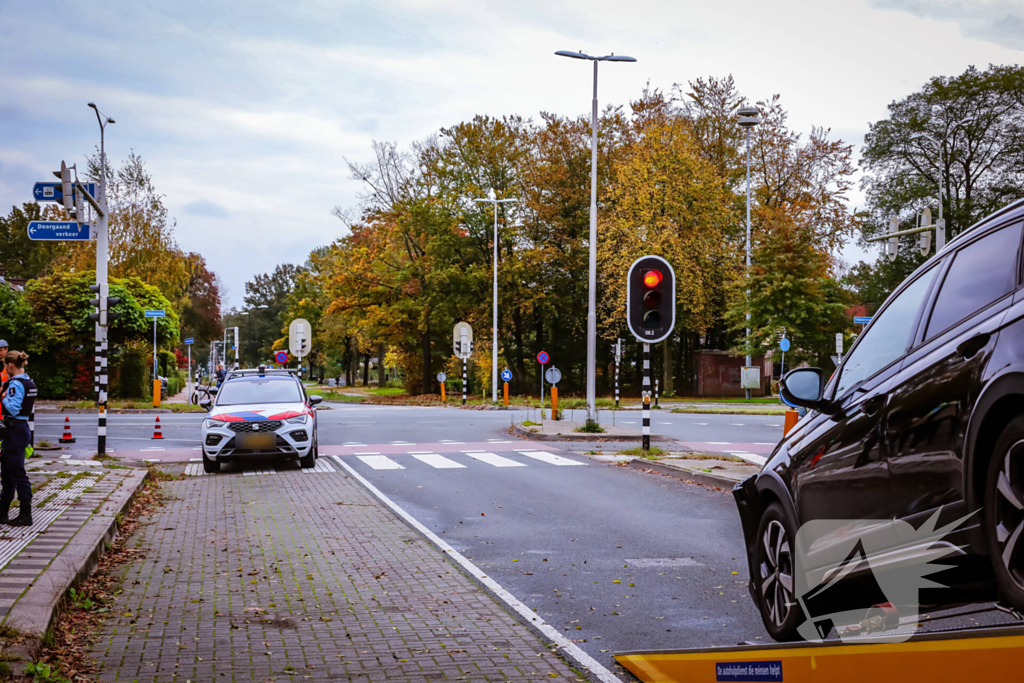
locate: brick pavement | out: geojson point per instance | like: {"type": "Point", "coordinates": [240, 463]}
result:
{"type": "Point", "coordinates": [303, 577]}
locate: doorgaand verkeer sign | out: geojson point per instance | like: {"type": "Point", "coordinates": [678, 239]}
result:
{"type": "Point", "coordinates": [58, 231]}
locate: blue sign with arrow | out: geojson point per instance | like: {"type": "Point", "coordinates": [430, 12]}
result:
{"type": "Point", "coordinates": [154, 314]}
{"type": "Point", "coordinates": [58, 231]}
{"type": "Point", "coordinates": [506, 375]}
{"type": "Point", "coordinates": [53, 192]}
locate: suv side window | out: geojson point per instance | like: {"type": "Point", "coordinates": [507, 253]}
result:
{"type": "Point", "coordinates": [887, 338]}
{"type": "Point", "coordinates": [981, 272]}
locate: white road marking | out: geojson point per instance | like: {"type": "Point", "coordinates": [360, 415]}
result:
{"type": "Point", "coordinates": [550, 458]}
{"type": "Point", "coordinates": [66, 456]}
{"type": "Point", "coordinates": [437, 461]}
{"type": "Point", "coordinates": [153, 448]}
{"type": "Point", "coordinates": [261, 470]}
{"type": "Point", "coordinates": [763, 443]}
{"type": "Point", "coordinates": [629, 422]}
{"type": "Point", "coordinates": [702, 424]}
{"type": "Point", "coordinates": [402, 443]}
{"type": "Point", "coordinates": [451, 443]}
{"type": "Point", "coordinates": [564, 644]}
{"type": "Point", "coordinates": [150, 460]}
{"type": "Point", "coordinates": [497, 441]}
{"type": "Point", "coordinates": [664, 423]}
{"type": "Point", "coordinates": [658, 562]}
{"type": "Point", "coordinates": [735, 424]}
{"type": "Point", "coordinates": [719, 443]}
{"type": "Point", "coordinates": [195, 470]}
{"type": "Point", "coordinates": [195, 459]}
{"type": "Point", "coordinates": [354, 444]}
{"type": "Point", "coordinates": [380, 462]}
{"type": "Point", "coordinates": [367, 452]}
{"type": "Point", "coordinates": [494, 459]}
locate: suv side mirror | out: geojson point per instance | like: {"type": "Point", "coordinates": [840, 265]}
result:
{"type": "Point", "coordinates": [803, 387]}
{"type": "Point", "coordinates": [315, 400]}
{"type": "Point", "coordinates": [205, 403]}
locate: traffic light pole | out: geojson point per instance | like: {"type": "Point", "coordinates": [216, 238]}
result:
{"type": "Point", "coordinates": [618, 355]}
{"type": "Point", "coordinates": [647, 398]}
{"type": "Point", "coordinates": [104, 293]}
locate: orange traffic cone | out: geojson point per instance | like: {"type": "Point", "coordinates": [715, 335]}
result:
{"type": "Point", "coordinates": [66, 437]}
{"type": "Point", "coordinates": [158, 434]}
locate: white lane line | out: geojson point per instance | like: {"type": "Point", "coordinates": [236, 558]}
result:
{"type": "Point", "coordinates": [564, 644]}
{"type": "Point", "coordinates": [735, 424]}
{"type": "Point", "coordinates": [494, 459]}
{"type": "Point", "coordinates": [437, 461]}
{"type": "Point", "coordinates": [349, 445]}
{"type": "Point", "coordinates": [763, 443]}
{"type": "Point", "coordinates": [719, 443]}
{"type": "Point", "coordinates": [452, 443]}
{"type": "Point", "coordinates": [195, 459]}
{"type": "Point", "coordinates": [402, 443]}
{"type": "Point", "coordinates": [380, 462]}
{"type": "Point", "coordinates": [497, 441]}
{"type": "Point", "coordinates": [664, 423]}
{"type": "Point", "coordinates": [550, 458]}
{"type": "Point", "coordinates": [367, 452]}
{"type": "Point", "coordinates": [702, 424]}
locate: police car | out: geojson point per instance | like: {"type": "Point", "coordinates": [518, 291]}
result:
{"type": "Point", "coordinates": [260, 414]}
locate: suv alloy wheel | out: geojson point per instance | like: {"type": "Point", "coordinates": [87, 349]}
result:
{"type": "Point", "coordinates": [774, 573]}
{"type": "Point", "coordinates": [1004, 513]}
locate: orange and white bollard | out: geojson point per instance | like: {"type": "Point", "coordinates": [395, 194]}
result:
{"type": "Point", "coordinates": [158, 434]}
{"type": "Point", "coordinates": [66, 436]}
{"type": "Point", "coordinates": [792, 417]}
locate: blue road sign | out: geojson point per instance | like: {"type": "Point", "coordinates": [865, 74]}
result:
{"type": "Point", "coordinates": [542, 358]}
{"type": "Point", "coordinates": [784, 344]}
{"type": "Point", "coordinates": [155, 314]}
{"type": "Point", "coordinates": [281, 357]}
{"type": "Point", "coordinates": [190, 340]}
{"type": "Point", "coordinates": [506, 375]}
{"type": "Point", "coordinates": [58, 231]}
{"type": "Point", "coordinates": [862, 320]}
{"type": "Point", "coordinates": [52, 192]}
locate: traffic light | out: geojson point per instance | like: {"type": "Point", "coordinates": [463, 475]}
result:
{"type": "Point", "coordinates": [651, 299]}
{"type": "Point", "coordinates": [303, 346]}
{"type": "Point", "coordinates": [68, 189]}
{"type": "Point", "coordinates": [112, 301]}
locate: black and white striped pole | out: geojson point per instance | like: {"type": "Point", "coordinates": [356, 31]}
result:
{"type": "Point", "coordinates": [462, 342]}
{"type": "Point", "coordinates": [647, 398]}
{"type": "Point", "coordinates": [618, 356]}
{"type": "Point", "coordinates": [657, 388]}
{"type": "Point", "coordinates": [463, 380]}
{"type": "Point", "coordinates": [650, 315]}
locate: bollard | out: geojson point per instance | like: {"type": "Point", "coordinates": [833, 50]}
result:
{"type": "Point", "coordinates": [156, 393]}
{"type": "Point", "coordinates": [791, 419]}
{"type": "Point", "coordinates": [506, 394]}
{"type": "Point", "coordinates": [443, 399]}
{"type": "Point", "coordinates": [554, 402]}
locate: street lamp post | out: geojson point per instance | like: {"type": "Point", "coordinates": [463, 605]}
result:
{"type": "Point", "coordinates": [592, 274]}
{"type": "Point", "coordinates": [247, 311]}
{"type": "Point", "coordinates": [940, 225]}
{"type": "Point", "coordinates": [748, 119]}
{"type": "Point", "coordinates": [104, 287]}
{"type": "Point", "coordinates": [494, 329]}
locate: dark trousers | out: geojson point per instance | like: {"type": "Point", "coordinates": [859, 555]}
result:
{"type": "Point", "coordinates": [13, 477]}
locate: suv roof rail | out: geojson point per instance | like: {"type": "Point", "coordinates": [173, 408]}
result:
{"type": "Point", "coordinates": [258, 372]}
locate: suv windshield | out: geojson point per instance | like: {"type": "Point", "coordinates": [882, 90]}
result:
{"type": "Point", "coordinates": [269, 390]}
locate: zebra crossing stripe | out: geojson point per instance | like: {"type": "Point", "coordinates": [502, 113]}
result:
{"type": "Point", "coordinates": [380, 462]}
{"type": "Point", "coordinates": [494, 459]}
{"type": "Point", "coordinates": [321, 467]}
{"type": "Point", "coordinates": [437, 461]}
{"type": "Point", "coordinates": [550, 458]}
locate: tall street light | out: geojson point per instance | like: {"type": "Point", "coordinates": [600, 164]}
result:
{"type": "Point", "coordinates": [248, 312]}
{"type": "Point", "coordinates": [940, 229]}
{"type": "Point", "coordinates": [494, 329]}
{"type": "Point", "coordinates": [592, 278]}
{"type": "Point", "coordinates": [104, 288]}
{"type": "Point", "coordinates": [747, 119]}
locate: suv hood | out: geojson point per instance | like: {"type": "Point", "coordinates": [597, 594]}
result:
{"type": "Point", "coordinates": [258, 412]}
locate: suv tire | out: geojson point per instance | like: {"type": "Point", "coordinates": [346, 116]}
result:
{"type": "Point", "coordinates": [1004, 513]}
{"type": "Point", "coordinates": [773, 562]}
{"type": "Point", "coordinates": [308, 461]}
{"type": "Point", "coordinates": [210, 466]}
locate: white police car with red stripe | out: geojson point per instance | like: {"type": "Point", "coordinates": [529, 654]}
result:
{"type": "Point", "coordinates": [259, 414]}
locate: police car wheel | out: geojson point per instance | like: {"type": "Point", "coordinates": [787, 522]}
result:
{"type": "Point", "coordinates": [308, 461]}
{"type": "Point", "coordinates": [210, 466]}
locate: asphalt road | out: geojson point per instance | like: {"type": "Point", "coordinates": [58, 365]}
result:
{"type": "Point", "coordinates": [383, 424]}
{"type": "Point", "coordinates": [614, 558]}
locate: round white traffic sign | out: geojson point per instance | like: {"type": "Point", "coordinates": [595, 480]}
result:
{"type": "Point", "coordinates": [553, 375]}
{"type": "Point", "coordinates": [441, 377]}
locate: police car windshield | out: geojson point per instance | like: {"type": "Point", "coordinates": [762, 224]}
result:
{"type": "Point", "coordinates": [265, 390]}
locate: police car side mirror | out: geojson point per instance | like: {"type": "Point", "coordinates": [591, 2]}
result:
{"type": "Point", "coordinates": [315, 400]}
{"type": "Point", "coordinates": [205, 403]}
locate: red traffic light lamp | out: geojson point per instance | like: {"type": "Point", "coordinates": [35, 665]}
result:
{"type": "Point", "coordinates": [653, 278]}
{"type": "Point", "coordinates": [651, 299]}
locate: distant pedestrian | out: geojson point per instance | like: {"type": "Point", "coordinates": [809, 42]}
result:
{"type": "Point", "coordinates": [18, 401]}
{"type": "Point", "coordinates": [3, 373]}
{"type": "Point", "coordinates": [220, 375]}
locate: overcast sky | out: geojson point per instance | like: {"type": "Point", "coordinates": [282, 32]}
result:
{"type": "Point", "coordinates": [245, 111]}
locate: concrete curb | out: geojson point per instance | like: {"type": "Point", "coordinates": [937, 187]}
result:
{"type": "Point", "coordinates": [38, 606]}
{"type": "Point", "coordinates": [114, 411]}
{"type": "Point", "coordinates": [537, 436]}
{"type": "Point", "coordinates": [683, 473]}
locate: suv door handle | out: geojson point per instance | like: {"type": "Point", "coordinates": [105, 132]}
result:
{"type": "Point", "coordinates": [871, 405]}
{"type": "Point", "coordinates": [976, 343]}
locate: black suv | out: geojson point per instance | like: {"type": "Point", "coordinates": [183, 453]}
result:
{"type": "Point", "coordinates": [924, 415]}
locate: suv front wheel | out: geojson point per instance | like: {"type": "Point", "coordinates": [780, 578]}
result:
{"type": "Point", "coordinates": [1004, 513]}
{"type": "Point", "coordinates": [210, 466]}
{"type": "Point", "coordinates": [774, 574]}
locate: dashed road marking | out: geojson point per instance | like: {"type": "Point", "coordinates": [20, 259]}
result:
{"type": "Point", "coordinates": [380, 462]}
{"type": "Point", "coordinates": [437, 461]}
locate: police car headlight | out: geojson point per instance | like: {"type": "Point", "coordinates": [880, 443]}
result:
{"type": "Point", "coordinates": [299, 420]}
{"type": "Point", "coordinates": [214, 423]}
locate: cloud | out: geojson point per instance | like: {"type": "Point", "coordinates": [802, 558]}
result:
{"type": "Point", "coordinates": [206, 208]}
{"type": "Point", "coordinates": [995, 21]}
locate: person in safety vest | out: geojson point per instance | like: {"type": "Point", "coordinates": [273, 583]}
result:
{"type": "Point", "coordinates": [18, 400]}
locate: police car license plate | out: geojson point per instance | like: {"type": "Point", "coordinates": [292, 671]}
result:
{"type": "Point", "coordinates": [256, 442]}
